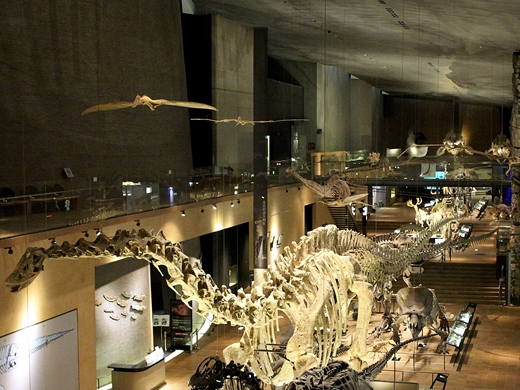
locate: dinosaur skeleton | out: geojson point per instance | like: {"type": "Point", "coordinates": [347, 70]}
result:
{"type": "Point", "coordinates": [338, 375]}
{"type": "Point", "coordinates": [418, 308]}
{"type": "Point", "coordinates": [335, 192]}
{"type": "Point", "coordinates": [146, 101]}
{"type": "Point", "coordinates": [312, 283]}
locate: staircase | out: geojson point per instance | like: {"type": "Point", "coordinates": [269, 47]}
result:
{"type": "Point", "coordinates": [343, 218]}
{"type": "Point", "coordinates": [458, 282]}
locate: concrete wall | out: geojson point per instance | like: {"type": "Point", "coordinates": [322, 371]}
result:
{"type": "Point", "coordinates": [232, 51]}
{"type": "Point", "coordinates": [305, 73]}
{"type": "Point", "coordinates": [60, 57]}
{"type": "Point", "coordinates": [333, 108]}
{"type": "Point", "coordinates": [361, 115]}
{"type": "Point", "coordinates": [479, 124]}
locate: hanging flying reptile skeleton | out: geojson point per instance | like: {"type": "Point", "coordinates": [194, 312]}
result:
{"type": "Point", "coordinates": [144, 100]}
{"type": "Point", "coordinates": [312, 283]}
{"type": "Point", "coordinates": [243, 122]}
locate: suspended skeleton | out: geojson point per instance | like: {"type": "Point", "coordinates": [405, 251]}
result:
{"type": "Point", "coordinates": [243, 122]}
{"type": "Point", "coordinates": [144, 100]}
{"type": "Point", "coordinates": [335, 192]}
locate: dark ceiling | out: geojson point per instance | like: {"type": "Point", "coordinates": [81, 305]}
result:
{"type": "Point", "coordinates": [438, 48]}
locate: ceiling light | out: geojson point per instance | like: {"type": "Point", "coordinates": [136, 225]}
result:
{"type": "Point", "coordinates": [183, 213]}
{"type": "Point", "coordinates": [53, 240]}
{"type": "Point", "coordinates": [232, 204]}
{"type": "Point", "coordinates": [137, 222]}
{"type": "Point", "coordinates": [99, 231]}
{"type": "Point", "coordinates": [9, 250]}
{"type": "Point", "coordinates": [202, 210]}
{"type": "Point", "coordinates": [214, 207]}
{"type": "Point", "coordinates": [238, 201]}
{"type": "Point", "coordinates": [85, 232]}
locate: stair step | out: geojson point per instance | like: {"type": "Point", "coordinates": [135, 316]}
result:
{"type": "Point", "coordinates": [458, 282]}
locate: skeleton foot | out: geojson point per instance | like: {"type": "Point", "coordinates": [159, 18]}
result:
{"type": "Point", "coordinates": [442, 348]}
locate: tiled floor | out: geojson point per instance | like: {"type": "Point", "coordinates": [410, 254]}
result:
{"type": "Point", "coordinates": [492, 359]}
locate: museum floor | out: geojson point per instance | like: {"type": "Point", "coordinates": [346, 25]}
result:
{"type": "Point", "coordinates": [491, 360]}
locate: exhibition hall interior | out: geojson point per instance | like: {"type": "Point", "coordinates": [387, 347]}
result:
{"type": "Point", "coordinates": [282, 195]}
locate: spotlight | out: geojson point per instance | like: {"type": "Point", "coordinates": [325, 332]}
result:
{"type": "Point", "coordinates": [298, 188]}
{"type": "Point", "coordinates": [238, 201]}
{"type": "Point", "coordinates": [9, 250]}
{"type": "Point", "coordinates": [99, 231]}
{"type": "Point", "coordinates": [137, 222]}
{"type": "Point", "coordinates": [214, 207]}
{"type": "Point", "coordinates": [53, 240]}
{"type": "Point", "coordinates": [85, 232]}
{"type": "Point", "coordinates": [183, 213]}
{"type": "Point", "coordinates": [232, 204]}
{"type": "Point", "coordinates": [202, 210]}
{"type": "Point", "coordinates": [287, 190]}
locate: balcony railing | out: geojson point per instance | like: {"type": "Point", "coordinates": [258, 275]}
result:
{"type": "Point", "coordinates": [37, 207]}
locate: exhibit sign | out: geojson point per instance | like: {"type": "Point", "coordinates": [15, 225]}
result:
{"type": "Point", "coordinates": [180, 324]}
{"type": "Point", "coordinates": [41, 356]}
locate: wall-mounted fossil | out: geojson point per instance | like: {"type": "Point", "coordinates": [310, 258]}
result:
{"type": "Point", "coordinates": [122, 302]}
{"type": "Point", "coordinates": [139, 298]}
{"type": "Point", "coordinates": [110, 298]}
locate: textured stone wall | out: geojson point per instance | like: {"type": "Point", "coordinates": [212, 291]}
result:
{"type": "Point", "coordinates": [333, 108]}
{"type": "Point", "coordinates": [61, 57]}
{"type": "Point", "coordinates": [232, 51]}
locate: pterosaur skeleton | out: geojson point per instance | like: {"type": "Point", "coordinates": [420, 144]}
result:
{"type": "Point", "coordinates": [146, 101]}
{"type": "Point", "coordinates": [243, 122]}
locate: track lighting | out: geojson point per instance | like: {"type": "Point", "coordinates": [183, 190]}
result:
{"type": "Point", "coordinates": [85, 232]}
{"type": "Point", "coordinates": [53, 240]}
{"type": "Point", "coordinates": [183, 213]}
{"type": "Point", "coordinates": [9, 250]}
{"type": "Point", "coordinates": [99, 231]}
{"type": "Point", "coordinates": [232, 204]}
{"type": "Point", "coordinates": [214, 207]}
{"type": "Point", "coordinates": [137, 222]}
